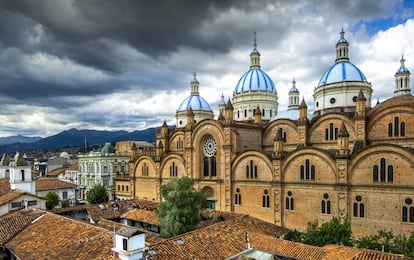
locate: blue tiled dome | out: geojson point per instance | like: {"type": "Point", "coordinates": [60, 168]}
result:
{"type": "Point", "coordinates": [293, 90]}
{"type": "Point", "coordinates": [402, 70]}
{"type": "Point", "coordinates": [196, 102]}
{"type": "Point", "coordinates": [342, 71]}
{"type": "Point", "coordinates": [255, 80]}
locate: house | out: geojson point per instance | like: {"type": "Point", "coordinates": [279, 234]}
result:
{"type": "Point", "coordinates": [16, 199]}
{"type": "Point", "coordinates": [65, 173]}
{"type": "Point", "coordinates": [65, 190]}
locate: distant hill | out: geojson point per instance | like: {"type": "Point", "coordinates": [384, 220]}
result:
{"type": "Point", "coordinates": [18, 139]}
{"type": "Point", "coordinates": [74, 137]}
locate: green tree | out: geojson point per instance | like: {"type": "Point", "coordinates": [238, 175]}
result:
{"type": "Point", "coordinates": [385, 240]}
{"type": "Point", "coordinates": [97, 194]}
{"type": "Point", "coordinates": [52, 200]}
{"type": "Point", "coordinates": [332, 232]}
{"type": "Point", "coordinates": [180, 210]}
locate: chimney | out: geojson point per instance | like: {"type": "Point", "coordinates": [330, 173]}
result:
{"type": "Point", "coordinates": [129, 243]}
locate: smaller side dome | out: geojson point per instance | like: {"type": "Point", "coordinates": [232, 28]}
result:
{"type": "Point", "coordinates": [194, 101]}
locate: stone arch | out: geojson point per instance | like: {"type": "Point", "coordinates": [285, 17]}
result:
{"type": "Point", "coordinates": [176, 140]}
{"type": "Point", "coordinates": [292, 162]}
{"type": "Point", "coordinates": [263, 163]}
{"type": "Point", "coordinates": [377, 125]}
{"type": "Point", "coordinates": [272, 128]}
{"type": "Point", "coordinates": [360, 166]}
{"type": "Point", "coordinates": [152, 169]}
{"type": "Point", "coordinates": [207, 128]}
{"type": "Point", "coordinates": [209, 192]}
{"type": "Point", "coordinates": [317, 129]}
{"type": "Point", "coordinates": [179, 163]}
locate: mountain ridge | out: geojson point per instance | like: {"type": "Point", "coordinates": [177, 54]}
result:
{"type": "Point", "coordinates": [77, 138]}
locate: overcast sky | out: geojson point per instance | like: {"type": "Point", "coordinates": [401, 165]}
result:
{"type": "Point", "coordinates": [127, 65]}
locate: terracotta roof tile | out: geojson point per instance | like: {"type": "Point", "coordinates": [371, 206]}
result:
{"type": "Point", "coordinates": [12, 224]}
{"type": "Point", "coordinates": [146, 204]}
{"type": "Point", "coordinates": [73, 167]}
{"type": "Point", "coordinates": [142, 215]}
{"type": "Point", "coordinates": [150, 237]}
{"type": "Point", "coordinates": [95, 211]}
{"type": "Point", "coordinates": [57, 237]}
{"type": "Point", "coordinates": [285, 247]}
{"type": "Point", "coordinates": [10, 195]}
{"type": "Point", "coordinates": [217, 241]}
{"type": "Point", "coordinates": [56, 172]}
{"type": "Point", "coordinates": [4, 185]}
{"type": "Point", "coordinates": [43, 184]}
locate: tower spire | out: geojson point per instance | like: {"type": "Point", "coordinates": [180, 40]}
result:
{"type": "Point", "coordinates": [402, 80]}
{"type": "Point", "coordinates": [194, 86]}
{"type": "Point", "coordinates": [342, 51]}
{"type": "Point", "coordinates": [255, 55]}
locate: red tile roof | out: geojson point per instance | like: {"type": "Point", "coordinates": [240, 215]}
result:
{"type": "Point", "coordinates": [43, 184]}
{"type": "Point", "coordinates": [10, 195]}
{"type": "Point", "coordinates": [56, 172]}
{"type": "Point", "coordinates": [57, 237]}
{"type": "Point", "coordinates": [4, 185]}
{"type": "Point", "coordinates": [12, 224]}
{"type": "Point", "coordinates": [218, 241]}
{"type": "Point", "coordinates": [142, 215]}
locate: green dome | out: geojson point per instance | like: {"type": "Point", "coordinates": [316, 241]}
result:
{"type": "Point", "coordinates": [107, 149]}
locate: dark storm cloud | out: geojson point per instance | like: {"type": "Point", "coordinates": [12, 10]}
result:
{"type": "Point", "coordinates": [155, 28]}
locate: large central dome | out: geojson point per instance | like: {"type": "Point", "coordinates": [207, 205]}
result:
{"type": "Point", "coordinates": [339, 86]}
{"type": "Point", "coordinates": [342, 71]}
{"type": "Point", "coordinates": [255, 80]}
{"type": "Point", "coordinates": [254, 90]}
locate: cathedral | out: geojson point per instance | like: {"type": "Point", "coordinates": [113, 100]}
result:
{"type": "Point", "coordinates": [291, 167]}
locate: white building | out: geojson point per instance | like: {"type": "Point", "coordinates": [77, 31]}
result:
{"type": "Point", "coordinates": [100, 168]}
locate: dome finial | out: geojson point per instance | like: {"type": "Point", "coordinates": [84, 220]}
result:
{"type": "Point", "coordinates": [254, 42]}
{"type": "Point", "coordinates": [402, 61]}
{"type": "Point", "coordinates": [294, 82]}
{"type": "Point", "coordinates": [342, 33]}
{"type": "Point", "coordinates": [254, 55]}
{"type": "Point", "coordinates": [194, 85]}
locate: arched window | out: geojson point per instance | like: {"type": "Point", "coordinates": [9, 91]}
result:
{"type": "Point", "coordinates": [289, 201]}
{"type": "Point", "coordinates": [213, 166]}
{"type": "Point", "coordinates": [396, 128]}
{"type": "Point", "coordinates": [331, 133]}
{"type": "Point", "coordinates": [251, 170]}
{"type": "Point", "coordinates": [402, 131]}
{"type": "Point", "coordinates": [173, 170]}
{"type": "Point", "coordinates": [266, 199]}
{"type": "Point", "coordinates": [237, 197]}
{"type": "Point", "coordinates": [408, 211]}
{"type": "Point", "coordinates": [144, 169]}
{"type": "Point", "coordinates": [325, 204]}
{"type": "Point", "coordinates": [209, 159]}
{"type": "Point", "coordinates": [359, 207]}
{"type": "Point", "coordinates": [307, 171]}
{"type": "Point", "coordinates": [383, 173]}
{"type": "Point", "coordinates": [206, 168]}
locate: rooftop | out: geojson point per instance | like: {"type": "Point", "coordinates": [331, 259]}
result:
{"type": "Point", "coordinates": [43, 184]}
{"type": "Point", "coordinates": [56, 237]}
